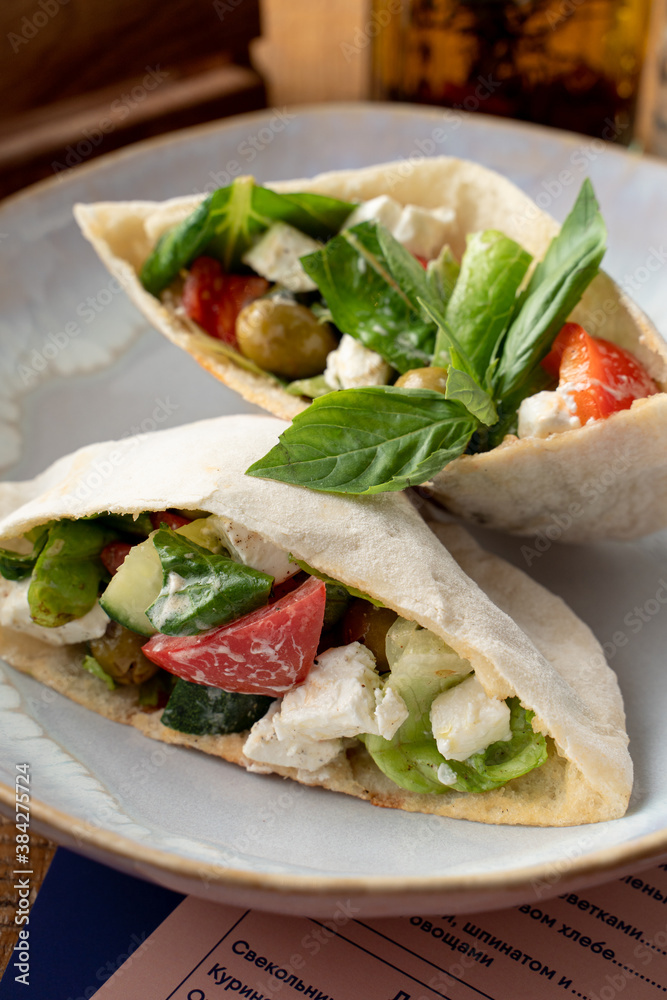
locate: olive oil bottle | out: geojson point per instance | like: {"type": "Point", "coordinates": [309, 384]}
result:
{"type": "Point", "coordinates": [572, 64]}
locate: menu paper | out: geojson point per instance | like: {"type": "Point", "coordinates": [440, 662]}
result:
{"type": "Point", "coordinates": [596, 944]}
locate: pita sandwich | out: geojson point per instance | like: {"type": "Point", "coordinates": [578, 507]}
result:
{"type": "Point", "coordinates": [523, 643]}
{"type": "Point", "coordinates": [607, 479]}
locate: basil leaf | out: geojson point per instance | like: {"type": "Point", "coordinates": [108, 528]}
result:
{"type": "Point", "coordinates": [442, 275]}
{"type": "Point", "coordinates": [369, 441]}
{"type": "Point", "coordinates": [367, 301]}
{"type": "Point", "coordinates": [507, 759]}
{"type": "Point", "coordinates": [93, 667]}
{"type": "Point", "coordinates": [66, 578]}
{"type": "Point", "coordinates": [177, 248]}
{"type": "Point", "coordinates": [483, 300]}
{"type": "Point", "coordinates": [227, 222]}
{"type": "Point", "coordinates": [201, 590]}
{"type": "Point", "coordinates": [557, 284]}
{"type": "Point", "coordinates": [334, 584]}
{"type": "Point", "coordinates": [462, 387]}
{"type": "Point", "coordinates": [19, 565]}
{"type": "Point", "coordinates": [127, 524]}
{"type": "Point", "coordinates": [404, 267]}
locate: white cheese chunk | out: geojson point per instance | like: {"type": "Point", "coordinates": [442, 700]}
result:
{"type": "Point", "coordinates": [276, 257]}
{"type": "Point", "coordinates": [547, 413]}
{"type": "Point", "coordinates": [465, 720]}
{"type": "Point", "coordinates": [251, 549]}
{"type": "Point", "coordinates": [265, 747]}
{"type": "Point", "coordinates": [342, 696]}
{"type": "Point", "coordinates": [422, 231]}
{"type": "Point", "coordinates": [15, 614]}
{"type": "Point", "coordinates": [352, 365]}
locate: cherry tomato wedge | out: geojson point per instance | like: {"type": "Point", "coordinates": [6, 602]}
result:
{"type": "Point", "coordinates": [113, 556]}
{"type": "Point", "coordinates": [173, 521]}
{"type": "Point", "coordinates": [267, 652]}
{"type": "Point", "coordinates": [601, 377]}
{"type": "Point", "coordinates": [214, 299]}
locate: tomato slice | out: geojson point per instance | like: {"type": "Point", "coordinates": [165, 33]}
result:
{"type": "Point", "coordinates": [267, 652]}
{"type": "Point", "coordinates": [214, 299]}
{"type": "Point", "coordinates": [113, 556]}
{"type": "Point", "coordinates": [173, 521]}
{"type": "Point", "coordinates": [601, 377]}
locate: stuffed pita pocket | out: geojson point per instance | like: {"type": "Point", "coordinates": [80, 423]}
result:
{"type": "Point", "coordinates": [543, 741]}
{"type": "Point", "coordinates": [462, 341]}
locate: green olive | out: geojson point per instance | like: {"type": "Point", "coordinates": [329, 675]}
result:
{"type": "Point", "coordinates": [424, 378]}
{"type": "Point", "coordinates": [118, 652]}
{"type": "Point", "coordinates": [284, 338]}
{"type": "Point", "coordinates": [365, 623]}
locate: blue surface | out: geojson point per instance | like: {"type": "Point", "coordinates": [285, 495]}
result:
{"type": "Point", "coordinates": [85, 922]}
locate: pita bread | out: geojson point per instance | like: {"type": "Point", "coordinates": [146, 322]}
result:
{"type": "Point", "coordinates": [606, 480]}
{"type": "Point", "coordinates": [520, 639]}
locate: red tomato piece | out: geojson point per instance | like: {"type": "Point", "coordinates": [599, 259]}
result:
{"type": "Point", "coordinates": [267, 652]}
{"type": "Point", "coordinates": [113, 556]}
{"type": "Point", "coordinates": [601, 377]}
{"type": "Point", "coordinates": [214, 299]}
{"type": "Point", "coordinates": [173, 521]}
{"type": "Point", "coordinates": [422, 260]}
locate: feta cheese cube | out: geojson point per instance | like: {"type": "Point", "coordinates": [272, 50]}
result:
{"type": "Point", "coordinates": [381, 209]}
{"type": "Point", "coordinates": [264, 746]}
{"type": "Point", "coordinates": [276, 257]}
{"type": "Point", "coordinates": [422, 231]}
{"type": "Point", "coordinates": [352, 365]}
{"type": "Point", "coordinates": [547, 413]}
{"type": "Point", "coordinates": [251, 549]}
{"type": "Point", "coordinates": [15, 614]}
{"type": "Point", "coordinates": [465, 720]}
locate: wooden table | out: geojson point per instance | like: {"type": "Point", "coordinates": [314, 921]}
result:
{"type": "Point", "coordinates": [41, 853]}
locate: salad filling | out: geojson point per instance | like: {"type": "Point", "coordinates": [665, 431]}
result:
{"type": "Point", "coordinates": [220, 629]}
{"type": "Point", "coordinates": [410, 356]}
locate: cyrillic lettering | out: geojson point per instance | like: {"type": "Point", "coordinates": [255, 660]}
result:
{"type": "Point", "coordinates": [321, 996]}
{"type": "Point", "coordinates": [260, 962]}
{"type": "Point", "coordinates": [549, 973]}
{"type": "Point", "coordinates": [293, 981]}
{"type": "Point", "coordinates": [572, 899]}
{"type": "Point", "coordinates": [487, 960]}
{"type": "Point", "coordinates": [240, 947]}
{"type": "Point", "coordinates": [597, 947]}
{"type": "Point", "coordinates": [525, 908]}
{"type": "Point", "coordinates": [475, 955]}
{"type": "Point", "coordinates": [415, 921]}
{"type": "Point", "coordinates": [612, 920]}
{"type": "Point", "coordinates": [270, 966]}
{"type": "Point", "coordinates": [451, 941]}
{"type": "Point", "coordinates": [636, 932]}
{"type": "Point", "coordinates": [235, 985]}
{"type": "Point", "coordinates": [218, 970]}
{"type": "Point", "coordinates": [463, 947]}
{"type": "Point", "coordinates": [246, 991]}
{"type": "Point", "coordinates": [585, 942]}
{"type": "Point", "coordinates": [583, 904]}
{"type": "Point", "coordinates": [609, 954]}
{"type": "Point", "coordinates": [426, 926]}
{"type": "Point", "coordinates": [250, 956]}
{"type": "Point", "coordinates": [549, 921]}
{"type": "Point", "coordinates": [565, 983]}
{"type": "Point", "coordinates": [278, 972]}
{"type": "Point", "coordinates": [310, 992]}
{"type": "Point", "coordinates": [401, 996]}
{"type": "Point", "coordinates": [437, 932]}
{"type": "Point", "coordinates": [516, 955]}
{"type": "Point", "coordinates": [471, 929]}
{"type": "Point", "coordinates": [484, 936]}
{"type": "Point", "coordinates": [535, 966]}
{"type": "Point", "coordinates": [257, 996]}
{"type": "Point", "coordinates": [648, 889]}
{"type": "Point", "coordinates": [505, 948]}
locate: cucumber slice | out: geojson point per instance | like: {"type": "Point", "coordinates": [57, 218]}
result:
{"type": "Point", "coordinates": [139, 580]}
{"type": "Point", "coordinates": [134, 588]}
{"type": "Point", "coordinates": [202, 710]}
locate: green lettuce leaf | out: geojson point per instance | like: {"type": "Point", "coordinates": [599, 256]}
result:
{"type": "Point", "coordinates": [226, 224]}
{"type": "Point", "coordinates": [368, 301]}
{"type": "Point", "coordinates": [334, 585]}
{"type": "Point", "coordinates": [66, 578]}
{"type": "Point", "coordinates": [442, 274]}
{"type": "Point", "coordinates": [369, 441]}
{"type": "Point", "coordinates": [201, 590]}
{"type": "Point", "coordinates": [15, 565]}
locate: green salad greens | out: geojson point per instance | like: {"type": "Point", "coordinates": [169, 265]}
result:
{"type": "Point", "coordinates": [481, 325]}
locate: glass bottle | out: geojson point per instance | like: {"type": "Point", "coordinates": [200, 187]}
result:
{"type": "Point", "coordinates": [572, 64]}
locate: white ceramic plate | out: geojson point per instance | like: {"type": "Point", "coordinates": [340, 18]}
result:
{"type": "Point", "coordinates": [79, 365]}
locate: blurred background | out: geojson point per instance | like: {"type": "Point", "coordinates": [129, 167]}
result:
{"type": "Point", "coordinates": [80, 78]}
